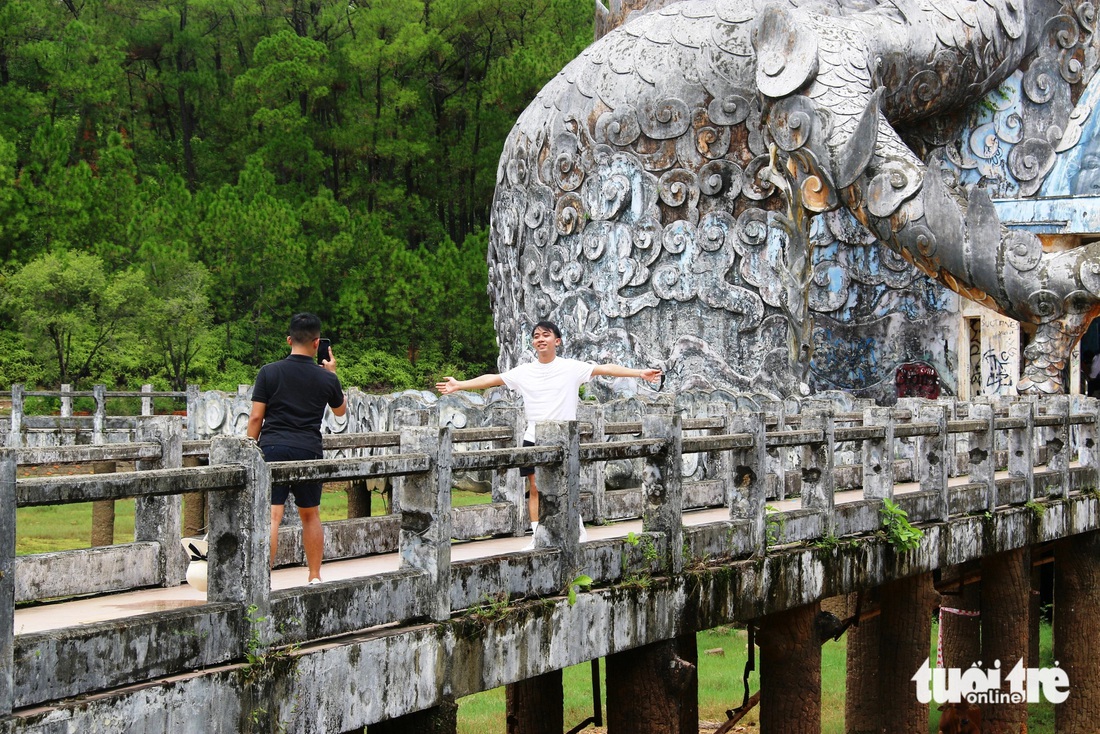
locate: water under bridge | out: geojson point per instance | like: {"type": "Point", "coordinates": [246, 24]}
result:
{"type": "Point", "coordinates": [782, 509]}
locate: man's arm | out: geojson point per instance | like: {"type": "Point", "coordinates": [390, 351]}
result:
{"type": "Point", "coordinates": [617, 370]}
{"type": "Point", "coordinates": [450, 384]}
{"type": "Point", "coordinates": [256, 420]}
{"type": "Point", "coordinates": [343, 407]}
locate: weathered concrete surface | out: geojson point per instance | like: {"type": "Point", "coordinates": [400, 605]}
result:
{"type": "Point", "coordinates": [356, 680]}
{"type": "Point", "coordinates": [87, 571]}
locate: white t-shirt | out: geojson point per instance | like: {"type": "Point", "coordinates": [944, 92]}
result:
{"type": "Point", "coordinates": [550, 391]}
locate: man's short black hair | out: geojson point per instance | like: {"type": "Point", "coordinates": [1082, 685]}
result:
{"type": "Point", "coordinates": [304, 328]}
{"type": "Point", "coordinates": [548, 325]}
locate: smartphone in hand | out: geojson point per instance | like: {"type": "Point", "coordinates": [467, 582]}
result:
{"type": "Point", "coordinates": [324, 351]}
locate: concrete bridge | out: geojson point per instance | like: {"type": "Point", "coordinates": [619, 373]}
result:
{"type": "Point", "coordinates": [783, 512]}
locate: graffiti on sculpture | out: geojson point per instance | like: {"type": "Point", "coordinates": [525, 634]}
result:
{"type": "Point", "coordinates": [738, 191]}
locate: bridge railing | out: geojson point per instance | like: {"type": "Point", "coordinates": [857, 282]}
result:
{"type": "Point", "coordinates": [242, 616]}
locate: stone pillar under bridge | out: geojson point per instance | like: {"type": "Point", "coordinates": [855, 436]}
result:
{"type": "Point", "coordinates": [1077, 630]}
{"type": "Point", "coordinates": [654, 689]}
{"type": "Point", "coordinates": [1006, 605]}
{"type": "Point", "coordinates": [790, 672]}
{"type": "Point", "coordinates": [535, 705]}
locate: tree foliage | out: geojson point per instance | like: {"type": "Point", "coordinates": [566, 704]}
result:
{"type": "Point", "coordinates": [178, 178]}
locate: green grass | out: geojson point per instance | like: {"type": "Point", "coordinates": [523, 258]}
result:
{"type": "Point", "coordinates": [721, 688]}
{"type": "Point", "coordinates": [66, 527]}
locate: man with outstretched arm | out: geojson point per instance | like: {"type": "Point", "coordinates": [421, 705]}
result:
{"type": "Point", "coordinates": [550, 390]}
{"type": "Point", "coordinates": [288, 404]}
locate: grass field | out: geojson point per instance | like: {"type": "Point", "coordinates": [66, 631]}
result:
{"type": "Point", "coordinates": [63, 527]}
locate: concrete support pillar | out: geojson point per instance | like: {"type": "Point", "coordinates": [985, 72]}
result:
{"type": "Point", "coordinates": [654, 689]}
{"type": "Point", "coordinates": [535, 705]}
{"type": "Point", "coordinates": [441, 719]}
{"type": "Point", "coordinates": [960, 631]}
{"type": "Point", "coordinates": [1077, 630]}
{"type": "Point", "coordinates": [790, 672]}
{"type": "Point", "coordinates": [1006, 596]}
{"type": "Point", "coordinates": [862, 707]}
{"type": "Point", "coordinates": [904, 631]}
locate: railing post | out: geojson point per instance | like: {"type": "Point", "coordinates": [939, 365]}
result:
{"type": "Point", "coordinates": [507, 484]}
{"type": "Point", "coordinates": [192, 412]}
{"type": "Point", "coordinates": [425, 540]}
{"type": "Point", "coordinates": [1021, 445]}
{"type": "Point", "coordinates": [147, 402]}
{"type": "Point", "coordinates": [745, 475]}
{"type": "Point", "coordinates": [776, 466]}
{"type": "Point", "coordinates": [1058, 443]}
{"type": "Point", "coordinates": [1086, 434]}
{"type": "Point", "coordinates": [931, 456]}
{"type": "Point", "coordinates": [662, 486]}
{"type": "Point", "coordinates": [159, 519]}
{"type": "Point", "coordinates": [559, 494]}
{"type": "Point", "coordinates": [7, 578]}
{"type": "Point", "coordinates": [66, 400]}
{"type": "Point", "coordinates": [15, 436]}
{"type": "Point", "coordinates": [818, 479]}
{"type": "Point", "coordinates": [404, 419]}
{"type": "Point", "coordinates": [99, 419]}
{"type": "Point", "coordinates": [878, 455]}
{"type": "Point", "coordinates": [983, 457]}
{"type": "Point", "coordinates": [592, 473]}
{"type": "Point", "coordinates": [240, 537]}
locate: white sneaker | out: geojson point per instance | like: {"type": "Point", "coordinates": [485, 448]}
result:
{"type": "Point", "coordinates": [314, 581]}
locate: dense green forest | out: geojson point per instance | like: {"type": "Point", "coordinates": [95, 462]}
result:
{"type": "Point", "coordinates": [178, 176]}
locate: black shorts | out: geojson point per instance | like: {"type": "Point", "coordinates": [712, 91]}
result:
{"type": "Point", "coordinates": [306, 494]}
{"type": "Point", "coordinates": [527, 471]}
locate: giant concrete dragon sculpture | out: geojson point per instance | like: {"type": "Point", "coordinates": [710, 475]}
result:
{"type": "Point", "coordinates": [666, 197]}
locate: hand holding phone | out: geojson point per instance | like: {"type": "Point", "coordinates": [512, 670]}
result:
{"type": "Point", "coordinates": [324, 351]}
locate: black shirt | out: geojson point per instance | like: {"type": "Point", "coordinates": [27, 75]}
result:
{"type": "Point", "coordinates": [295, 391]}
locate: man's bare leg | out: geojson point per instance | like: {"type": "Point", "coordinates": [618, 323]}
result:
{"type": "Point", "coordinates": [276, 520]}
{"type": "Point", "coordinates": [532, 499]}
{"type": "Point", "coordinates": [313, 539]}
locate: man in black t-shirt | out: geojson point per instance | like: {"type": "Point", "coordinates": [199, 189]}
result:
{"type": "Point", "coordinates": [288, 404]}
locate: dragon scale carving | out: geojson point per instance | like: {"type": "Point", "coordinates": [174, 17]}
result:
{"type": "Point", "coordinates": [710, 186]}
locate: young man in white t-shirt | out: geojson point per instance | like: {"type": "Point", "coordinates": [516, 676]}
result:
{"type": "Point", "coordinates": [550, 389]}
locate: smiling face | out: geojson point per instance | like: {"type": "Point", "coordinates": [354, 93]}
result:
{"type": "Point", "coordinates": [545, 344]}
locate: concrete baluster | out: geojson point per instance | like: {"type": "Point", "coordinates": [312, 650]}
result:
{"type": "Point", "coordinates": [931, 457]}
{"type": "Point", "coordinates": [745, 475]}
{"type": "Point", "coordinates": [776, 464]}
{"type": "Point", "coordinates": [15, 436]}
{"type": "Point", "coordinates": [1058, 443]}
{"type": "Point", "coordinates": [1086, 435]}
{"type": "Point", "coordinates": [507, 484]}
{"type": "Point", "coordinates": [192, 412]}
{"type": "Point", "coordinates": [818, 479]}
{"type": "Point", "coordinates": [7, 578]}
{"type": "Point", "coordinates": [983, 459]}
{"type": "Point", "coordinates": [66, 400]}
{"type": "Point", "coordinates": [405, 418]}
{"type": "Point", "coordinates": [878, 454]}
{"type": "Point", "coordinates": [240, 539]}
{"type": "Point", "coordinates": [1021, 445]}
{"type": "Point", "coordinates": [99, 418]}
{"type": "Point", "coordinates": [719, 464]}
{"type": "Point", "coordinates": [147, 402]}
{"type": "Point", "coordinates": [425, 539]}
{"type": "Point", "coordinates": [559, 488]}
{"type": "Point", "coordinates": [159, 519]}
{"type": "Point", "coordinates": [592, 473]}
{"type": "Point", "coordinates": [662, 487]}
